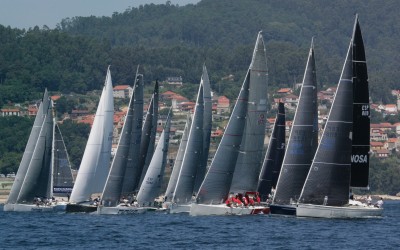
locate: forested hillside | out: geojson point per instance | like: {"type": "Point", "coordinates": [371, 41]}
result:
{"type": "Point", "coordinates": [169, 40]}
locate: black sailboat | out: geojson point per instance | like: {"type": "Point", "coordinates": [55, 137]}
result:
{"type": "Point", "coordinates": [274, 156]}
{"type": "Point", "coordinates": [302, 143]}
{"type": "Point", "coordinates": [326, 190]}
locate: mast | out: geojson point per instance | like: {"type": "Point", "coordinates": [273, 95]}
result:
{"type": "Point", "coordinates": [303, 138]}
{"type": "Point", "coordinates": [274, 156]}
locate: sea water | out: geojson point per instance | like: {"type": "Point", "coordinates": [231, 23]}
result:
{"type": "Point", "coordinates": [181, 231]}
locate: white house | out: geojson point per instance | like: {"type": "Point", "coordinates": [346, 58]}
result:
{"type": "Point", "coordinates": [122, 91]}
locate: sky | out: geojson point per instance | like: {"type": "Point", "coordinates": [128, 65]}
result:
{"type": "Point", "coordinates": [29, 13]}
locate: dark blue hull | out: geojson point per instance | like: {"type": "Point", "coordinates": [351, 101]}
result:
{"type": "Point", "coordinates": [283, 209]}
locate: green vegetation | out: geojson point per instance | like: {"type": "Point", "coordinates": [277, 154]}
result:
{"type": "Point", "coordinates": [169, 40]}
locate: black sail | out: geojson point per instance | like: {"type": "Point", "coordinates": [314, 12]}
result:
{"type": "Point", "coordinates": [329, 175]}
{"type": "Point", "coordinates": [303, 139]}
{"type": "Point", "coordinates": [274, 156]}
{"type": "Point", "coordinates": [361, 113]}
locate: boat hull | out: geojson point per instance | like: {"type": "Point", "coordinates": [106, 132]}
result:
{"type": "Point", "coordinates": [123, 210]}
{"type": "Point", "coordinates": [289, 210]}
{"type": "Point", "coordinates": [80, 208]}
{"type": "Point", "coordinates": [222, 209]}
{"type": "Point", "coordinates": [319, 211]}
{"type": "Point", "coordinates": [29, 208]}
{"type": "Point", "coordinates": [174, 208]}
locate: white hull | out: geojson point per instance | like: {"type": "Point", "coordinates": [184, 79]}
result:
{"type": "Point", "coordinates": [32, 208]}
{"type": "Point", "coordinates": [319, 211]}
{"type": "Point", "coordinates": [222, 209]}
{"type": "Point", "coordinates": [124, 210]}
{"type": "Point", "coordinates": [174, 208]}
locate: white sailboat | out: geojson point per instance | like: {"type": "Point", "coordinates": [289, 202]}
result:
{"type": "Point", "coordinates": [239, 148]}
{"type": "Point", "coordinates": [325, 192]}
{"type": "Point", "coordinates": [125, 161]}
{"type": "Point", "coordinates": [95, 163]}
{"type": "Point", "coordinates": [32, 189]}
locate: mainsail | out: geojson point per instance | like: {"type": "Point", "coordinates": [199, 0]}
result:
{"type": "Point", "coordinates": [127, 150]}
{"type": "Point", "coordinates": [30, 148]}
{"type": "Point", "coordinates": [328, 179]}
{"type": "Point", "coordinates": [151, 185]}
{"type": "Point", "coordinates": [94, 167]}
{"type": "Point", "coordinates": [216, 184]}
{"type": "Point", "coordinates": [303, 139]}
{"type": "Point", "coordinates": [207, 126]}
{"type": "Point", "coordinates": [274, 156]}
{"type": "Point", "coordinates": [248, 164]}
{"type": "Point", "coordinates": [192, 158]}
{"type": "Point", "coordinates": [361, 113]}
{"type": "Point", "coordinates": [148, 137]}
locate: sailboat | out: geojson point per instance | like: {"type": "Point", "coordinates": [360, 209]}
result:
{"type": "Point", "coordinates": [151, 185]}
{"type": "Point", "coordinates": [239, 149]}
{"type": "Point", "coordinates": [301, 146]}
{"type": "Point", "coordinates": [191, 162]}
{"type": "Point", "coordinates": [32, 189]}
{"type": "Point", "coordinates": [124, 164]}
{"type": "Point", "coordinates": [95, 163]}
{"type": "Point", "coordinates": [274, 156]}
{"type": "Point", "coordinates": [325, 192]}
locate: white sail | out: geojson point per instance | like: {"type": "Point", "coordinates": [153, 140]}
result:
{"type": "Point", "coordinates": [152, 181]}
{"type": "Point", "coordinates": [248, 165]}
{"type": "Point", "coordinates": [96, 158]}
{"type": "Point", "coordinates": [178, 161]}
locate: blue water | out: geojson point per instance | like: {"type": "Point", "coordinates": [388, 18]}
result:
{"type": "Point", "coordinates": [165, 231]}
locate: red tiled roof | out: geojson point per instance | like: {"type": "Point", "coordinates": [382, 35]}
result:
{"type": "Point", "coordinates": [55, 97]}
{"type": "Point", "coordinates": [121, 87]}
{"type": "Point", "coordinates": [284, 90]}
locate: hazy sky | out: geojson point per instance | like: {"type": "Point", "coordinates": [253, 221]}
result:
{"type": "Point", "coordinates": [29, 13]}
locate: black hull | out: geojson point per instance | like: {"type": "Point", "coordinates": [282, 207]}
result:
{"type": "Point", "coordinates": [77, 208]}
{"type": "Point", "coordinates": [283, 209]}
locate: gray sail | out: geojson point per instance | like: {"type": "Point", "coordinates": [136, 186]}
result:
{"type": "Point", "coordinates": [151, 185]}
{"type": "Point", "coordinates": [37, 180]}
{"type": "Point", "coordinates": [329, 175]}
{"type": "Point", "coordinates": [178, 161]}
{"type": "Point", "coordinates": [126, 145]}
{"type": "Point", "coordinates": [303, 139]}
{"type": "Point", "coordinates": [207, 126]}
{"type": "Point", "coordinates": [273, 158]}
{"type": "Point", "coordinates": [361, 113]}
{"type": "Point", "coordinates": [192, 158]}
{"type": "Point", "coordinates": [147, 153]}
{"type": "Point", "coordinates": [216, 184]}
{"type": "Point", "coordinates": [135, 134]}
{"type": "Point", "coordinates": [29, 149]}
{"type": "Point", "coordinates": [146, 140]}
{"type": "Point", "coordinates": [63, 181]}
{"type": "Point", "coordinates": [249, 161]}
